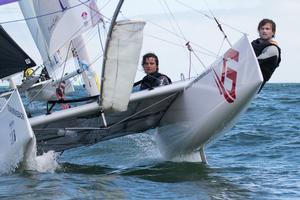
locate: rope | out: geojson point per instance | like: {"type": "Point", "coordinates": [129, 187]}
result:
{"type": "Point", "coordinates": [191, 50]}
{"type": "Point", "coordinates": [209, 17]}
{"type": "Point", "coordinates": [221, 29]}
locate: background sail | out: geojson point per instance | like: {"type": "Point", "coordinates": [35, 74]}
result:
{"type": "Point", "coordinates": [121, 64]}
{"type": "Point", "coordinates": [89, 75]}
{"type": "Point", "coordinates": [61, 21]}
{"type": "Point", "coordinates": [54, 25]}
{"type": "Point", "coordinates": [12, 58]}
{"type": "Point", "coordinates": [27, 9]}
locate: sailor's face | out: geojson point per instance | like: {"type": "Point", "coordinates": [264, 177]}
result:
{"type": "Point", "coordinates": [150, 65]}
{"type": "Point", "coordinates": [265, 32]}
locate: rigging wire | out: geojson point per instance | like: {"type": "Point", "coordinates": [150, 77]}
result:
{"type": "Point", "coordinates": [218, 23]}
{"type": "Point", "coordinates": [210, 17]}
{"type": "Point", "coordinates": [174, 19]}
{"type": "Point", "coordinates": [221, 46]}
{"type": "Point", "coordinates": [65, 62]}
{"type": "Point", "coordinates": [170, 21]}
{"type": "Point", "coordinates": [187, 44]}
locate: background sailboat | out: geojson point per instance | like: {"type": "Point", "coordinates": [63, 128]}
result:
{"type": "Point", "coordinates": [47, 22]}
{"type": "Point", "coordinates": [14, 61]}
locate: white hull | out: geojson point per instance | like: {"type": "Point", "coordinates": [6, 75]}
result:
{"type": "Point", "coordinates": [15, 133]}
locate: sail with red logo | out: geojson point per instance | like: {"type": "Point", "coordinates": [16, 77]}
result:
{"type": "Point", "coordinates": [57, 27]}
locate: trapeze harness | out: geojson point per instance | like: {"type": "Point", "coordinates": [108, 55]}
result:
{"type": "Point", "coordinates": [268, 64]}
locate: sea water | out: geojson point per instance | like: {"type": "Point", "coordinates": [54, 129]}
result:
{"type": "Point", "coordinates": [257, 159]}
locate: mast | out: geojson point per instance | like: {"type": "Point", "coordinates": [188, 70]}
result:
{"type": "Point", "coordinates": [113, 22]}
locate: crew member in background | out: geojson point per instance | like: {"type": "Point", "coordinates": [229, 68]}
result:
{"type": "Point", "coordinates": [266, 49]}
{"type": "Point", "coordinates": [28, 71]}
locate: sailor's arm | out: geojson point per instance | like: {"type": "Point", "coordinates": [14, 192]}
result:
{"type": "Point", "coordinates": [269, 52]}
{"type": "Point", "coordinates": [268, 61]}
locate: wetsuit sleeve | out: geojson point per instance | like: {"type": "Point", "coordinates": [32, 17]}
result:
{"type": "Point", "coordinates": [268, 61]}
{"type": "Point", "coordinates": [268, 52]}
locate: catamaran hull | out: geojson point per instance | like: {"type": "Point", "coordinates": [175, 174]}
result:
{"type": "Point", "coordinates": [15, 133]}
{"type": "Point", "coordinates": [212, 103]}
{"type": "Point", "coordinates": [198, 115]}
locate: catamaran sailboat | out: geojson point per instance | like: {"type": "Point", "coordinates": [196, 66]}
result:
{"type": "Point", "coordinates": [186, 114]}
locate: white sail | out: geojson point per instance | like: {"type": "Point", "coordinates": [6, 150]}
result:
{"type": "Point", "coordinates": [63, 20]}
{"type": "Point", "coordinates": [121, 64]}
{"type": "Point", "coordinates": [51, 62]}
{"type": "Point", "coordinates": [89, 75]}
{"type": "Point", "coordinates": [27, 9]}
{"type": "Point", "coordinates": [56, 24]}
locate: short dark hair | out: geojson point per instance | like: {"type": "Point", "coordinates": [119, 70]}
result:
{"type": "Point", "coordinates": [266, 21]}
{"type": "Point", "coordinates": [150, 55]}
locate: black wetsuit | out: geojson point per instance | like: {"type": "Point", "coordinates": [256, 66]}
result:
{"type": "Point", "coordinates": [153, 80]}
{"type": "Point", "coordinates": [269, 63]}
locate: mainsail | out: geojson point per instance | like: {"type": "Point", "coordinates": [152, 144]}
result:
{"type": "Point", "coordinates": [89, 76]}
{"type": "Point", "coordinates": [121, 63]}
{"type": "Point", "coordinates": [61, 21]}
{"type": "Point", "coordinates": [56, 27]}
{"type": "Point", "coordinates": [12, 58]}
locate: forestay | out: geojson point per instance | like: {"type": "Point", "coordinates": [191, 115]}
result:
{"type": "Point", "coordinates": [121, 64]}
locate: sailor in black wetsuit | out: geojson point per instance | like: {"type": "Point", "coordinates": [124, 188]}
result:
{"type": "Point", "coordinates": [153, 78]}
{"type": "Point", "coordinates": [266, 49]}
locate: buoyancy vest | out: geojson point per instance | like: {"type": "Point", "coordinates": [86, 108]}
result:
{"type": "Point", "coordinates": [154, 80]}
{"type": "Point", "coordinates": [267, 65]}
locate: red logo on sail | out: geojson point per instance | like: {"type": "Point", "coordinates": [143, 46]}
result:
{"type": "Point", "coordinates": [84, 15]}
{"type": "Point", "coordinates": [228, 74]}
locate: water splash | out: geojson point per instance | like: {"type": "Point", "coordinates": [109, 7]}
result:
{"type": "Point", "coordinates": [28, 160]}
{"type": "Point", "coordinates": [192, 157]}
{"type": "Point", "coordinates": [47, 162]}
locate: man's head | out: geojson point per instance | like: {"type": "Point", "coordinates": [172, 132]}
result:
{"type": "Point", "coordinates": [266, 29]}
{"type": "Point", "coordinates": [150, 63]}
